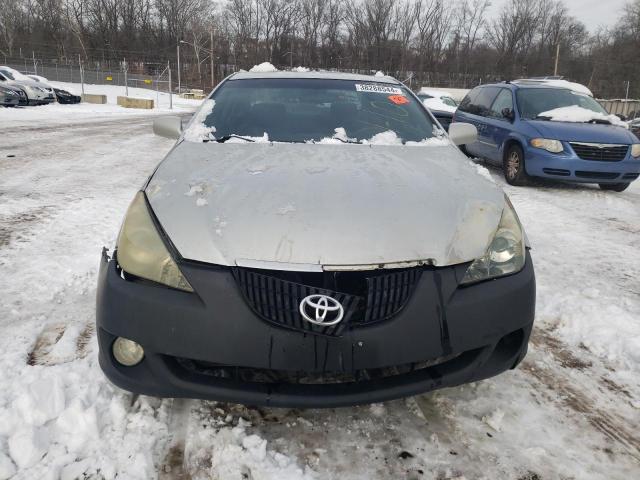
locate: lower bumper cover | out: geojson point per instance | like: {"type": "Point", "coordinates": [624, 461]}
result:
{"type": "Point", "coordinates": [568, 167]}
{"type": "Point", "coordinates": [479, 331]}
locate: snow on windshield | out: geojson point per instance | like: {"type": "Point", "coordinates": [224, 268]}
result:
{"type": "Point", "coordinates": [263, 67]}
{"type": "Point", "coordinates": [198, 131]}
{"type": "Point", "coordinates": [388, 137]}
{"type": "Point", "coordinates": [576, 114]}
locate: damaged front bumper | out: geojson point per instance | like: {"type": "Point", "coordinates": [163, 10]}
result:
{"type": "Point", "coordinates": [212, 345]}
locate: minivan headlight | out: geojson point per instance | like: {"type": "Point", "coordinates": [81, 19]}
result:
{"type": "Point", "coordinates": [141, 251]}
{"type": "Point", "coordinates": [506, 252]}
{"type": "Point", "coordinates": [553, 146]}
{"type": "Point", "coordinates": [635, 150]}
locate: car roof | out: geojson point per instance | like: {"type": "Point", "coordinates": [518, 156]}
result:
{"type": "Point", "coordinates": [316, 75]}
{"type": "Point", "coordinates": [524, 86]}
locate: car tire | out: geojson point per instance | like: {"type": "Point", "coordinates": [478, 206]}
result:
{"type": "Point", "coordinates": [513, 166]}
{"type": "Point", "coordinates": [614, 187]}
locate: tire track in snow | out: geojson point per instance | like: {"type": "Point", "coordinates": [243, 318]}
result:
{"type": "Point", "coordinates": [173, 466]}
{"type": "Point", "coordinates": [48, 337]}
{"type": "Point", "coordinates": [578, 399]}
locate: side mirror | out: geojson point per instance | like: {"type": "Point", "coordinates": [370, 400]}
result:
{"type": "Point", "coordinates": [463, 133]}
{"type": "Point", "coordinates": [508, 114]}
{"type": "Point", "coordinates": [169, 127]}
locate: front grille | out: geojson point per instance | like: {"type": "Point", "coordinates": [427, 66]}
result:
{"type": "Point", "coordinates": [367, 297]}
{"type": "Point", "coordinates": [598, 175]}
{"type": "Point", "coordinates": [600, 153]}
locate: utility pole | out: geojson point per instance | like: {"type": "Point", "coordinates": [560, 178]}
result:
{"type": "Point", "coordinates": [627, 94]}
{"type": "Point", "coordinates": [126, 80]}
{"type": "Point", "coordinates": [179, 68]}
{"type": "Point", "coordinates": [555, 69]}
{"type": "Point", "coordinates": [213, 81]}
{"type": "Point", "coordinates": [81, 74]}
{"type": "Point", "coordinates": [35, 68]}
{"type": "Point", "coordinates": [170, 89]}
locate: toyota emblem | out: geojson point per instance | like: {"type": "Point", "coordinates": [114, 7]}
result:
{"type": "Point", "coordinates": [321, 310]}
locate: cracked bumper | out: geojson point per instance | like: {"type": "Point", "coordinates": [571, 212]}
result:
{"type": "Point", "coordinates": [481, 331]}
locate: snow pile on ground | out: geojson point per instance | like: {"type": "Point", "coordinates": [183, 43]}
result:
{"type": "Point", "coordinates": [576, 114]}
{"type": "Point", "coordinates": [198, 131]}
{"type": "Point", "coordinates": [263, 68]}
{"type": "Point", "coordinates": [379, 74]}
{"type": "Point", "coordinates": [236, 454]}
{"type": "Point", "coordinates": [437, 104]}
{"type": "Point", "coordinates": [301, 69]}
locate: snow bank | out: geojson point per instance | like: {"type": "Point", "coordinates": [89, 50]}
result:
{"type": "Point", "coordinates": [301, 69]}
{"type": "Point", "coordinates": [198, 131]}
{"type": "Point", "coordinates": [263, 67]}
{"type": "Point", "coordinates": [576, 114]}
{"type": "Point", "coordinates": [379, 74]}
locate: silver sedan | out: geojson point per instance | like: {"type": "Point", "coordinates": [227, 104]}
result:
{"type": "Point", "coordinates": [314, 240]}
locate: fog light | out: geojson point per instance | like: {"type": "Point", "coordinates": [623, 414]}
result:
{"type": "Point", "coordinates": [127, 352]}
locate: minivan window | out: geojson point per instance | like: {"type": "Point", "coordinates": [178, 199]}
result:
{"type": "Point", "coordinates": [502, 101]}
{"type": "Point", "coordinates": [480, 102]}
{"type": "Point", "coordinates": [534, 101]}
{"type": "Point", "coordinates": [301, 110]}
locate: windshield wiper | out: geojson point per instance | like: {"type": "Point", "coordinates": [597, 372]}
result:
{"type": "Point", "coordinates": [541, 117]}
{"type": "Point", "coordinates": [228, 137]}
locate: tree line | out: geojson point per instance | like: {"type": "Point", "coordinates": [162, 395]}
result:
{"type": "Point", "coordinates": [438, 42]}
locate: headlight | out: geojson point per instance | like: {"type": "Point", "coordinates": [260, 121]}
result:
{"type": "Point", "coordinates": [553, 146]}
{"type": "Point", "coordinates": [506, 252]}
{"type": "Point", "coordinates": [141, 251]}
{"type": "Point", "coordinates": [635, 150]}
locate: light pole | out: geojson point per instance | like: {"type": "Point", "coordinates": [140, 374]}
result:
{"type": "Point", "coordinates": [210, 52]}
{"type": "Point", "coordinates": [179, 68]}
{"type": "Point", "coordinates": [290, 59]}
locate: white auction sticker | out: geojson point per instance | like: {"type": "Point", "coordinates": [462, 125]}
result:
{"type": "Point", "coordinates": [375, 88]}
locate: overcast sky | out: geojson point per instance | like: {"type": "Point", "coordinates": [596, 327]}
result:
{"type": "Point", "coordinates": [593, 13]}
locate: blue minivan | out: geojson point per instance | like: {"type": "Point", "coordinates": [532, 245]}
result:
{"type": "Point", "coordinates": [512, 133]}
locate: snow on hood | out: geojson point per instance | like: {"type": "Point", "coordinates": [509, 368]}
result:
{"type": "Point", "coordinates": [263, 67]}
{"type": "Point", "coordinates": [197, 131]}
{"type": "Point", "coordinates": [438, 105]}
{"type": "Point", "coordinates": [576, 114]}
{"type": "Point", "coordinates": [313, 205]}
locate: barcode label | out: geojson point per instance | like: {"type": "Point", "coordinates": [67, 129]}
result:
{"type": "Point", "coordinates": [375, 88]}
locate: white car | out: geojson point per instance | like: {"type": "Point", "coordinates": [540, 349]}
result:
{"type": "Point", "coordinates": [37, 93]}
{"type": "Point", "coordinates": [437, 100]}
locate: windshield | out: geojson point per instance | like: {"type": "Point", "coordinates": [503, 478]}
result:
{"type": "Point", "coordinates": [534, 101]}
{"type": "Point", "coordinates": [302, 110]}
{"type": "Point", "coordinates": [449, 101]}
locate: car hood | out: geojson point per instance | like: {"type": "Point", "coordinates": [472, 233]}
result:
{"type": "Point", "coordinates": [582, 132]}
{"type": "Point", "coordinates": [301, 205]}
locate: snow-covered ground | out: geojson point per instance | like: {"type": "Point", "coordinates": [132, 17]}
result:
{"type": "Point", "coordinates": [572, 409]}
{"type": "Point", "coordinates": [57, 114]}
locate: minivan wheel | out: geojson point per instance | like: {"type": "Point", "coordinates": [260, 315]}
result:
{"type": "Point", "coordinates": [513, 166]}
{"type": "Point", "coordinates": [614, 187]}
